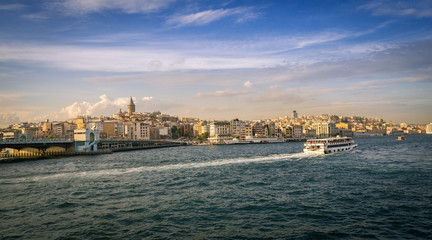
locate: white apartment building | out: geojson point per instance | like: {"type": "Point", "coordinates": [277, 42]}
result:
{"type": "Point", "coordinates": [324, 129]}
{"type": "Point", "coordinates": [219, 129]}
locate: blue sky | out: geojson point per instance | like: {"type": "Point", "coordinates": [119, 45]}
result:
{"type": "Point", "coordinates": [216, 59]}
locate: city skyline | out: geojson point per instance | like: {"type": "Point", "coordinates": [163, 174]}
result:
{"type": "Point", "coordinates": [216, 60]}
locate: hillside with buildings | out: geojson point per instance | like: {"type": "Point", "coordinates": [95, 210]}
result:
{"type": "Point", "coordinates": [156, 125]}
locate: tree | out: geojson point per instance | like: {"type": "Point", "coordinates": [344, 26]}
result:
{"type": "Point", "coordinates": [174, 132]}
{"type": "Point", "coordinates": [180, 132]}
{"type": "Point", "coordinates": [204, 136]}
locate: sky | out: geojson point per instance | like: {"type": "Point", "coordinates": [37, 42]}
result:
{"type": "Point", "coordinates": [216, 60]}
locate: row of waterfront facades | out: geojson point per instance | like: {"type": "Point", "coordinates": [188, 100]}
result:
{"type": "Point", "coordinates": [155, 126]}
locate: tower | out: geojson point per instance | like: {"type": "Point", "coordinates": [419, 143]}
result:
{"type": "Point", "coordinates": [131, 107]}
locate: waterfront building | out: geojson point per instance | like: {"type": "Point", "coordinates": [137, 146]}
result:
{"type": "Point", "coordinates": [344, 132]}
{"type": "Point", "coordinates": [219, 132]}
{"type": "Point", "coordinates": [429, 128]}
{"type": "Point", "coordinates": [288, 131]}
{"type": "Point", "coordinates": [131, 107]}
{"type": "Point", "coordinates": [309, 132]}
{"type": "Point", "coordinates": [297, 131]}
{"type": "Point", "coordinates": [324, 129]}
{"type": "Point", "coordinates": [270, 129]}
{"type": "Point", "coordinates": [164, 132]}
{"type": "Point", "coordinates": [198, 128]}
{"type": "Point", "coordinates": [10, 135]}
{"type": "Point", "coordinates": [205, 129]}
{"type": "Point", "coordinates": [248, 131]}
{"type": "Point", "coordinates": [238, 128]}
{"type": "Point", "coordinates": [258, 130]}
{"type": "Point", "coordinates": [219, 128]}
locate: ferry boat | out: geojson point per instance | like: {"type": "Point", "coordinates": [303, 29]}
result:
{"type": "Point", "coordinates": [329, 145]}
{"type": "Point", "coordinates": [401, 138]}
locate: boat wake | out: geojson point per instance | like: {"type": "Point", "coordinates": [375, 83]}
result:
{"type": "Point", "coordinates": [213, 163]}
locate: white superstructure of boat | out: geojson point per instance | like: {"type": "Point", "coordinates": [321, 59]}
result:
{"type": "Point", "coordinates": [329, 145]}
{"type": "Point", "coordinates": [250, 139]}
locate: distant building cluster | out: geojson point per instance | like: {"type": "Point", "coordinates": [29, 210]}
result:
{"type": "Point", "coordinates": [154, 126]}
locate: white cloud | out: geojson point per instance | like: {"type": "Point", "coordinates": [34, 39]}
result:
{"type": "Point", "coordinates": [222, 93]}
{"type": "Point", "coordinates": [105, 106]}
{"type": "Point", "coordinates": [147, 98]}
{"type": "Point", "coordinates": [205, 17]}
{"type": "Point", "coordinates": [248, 84]}
{"type": "Point", "coordinates": [126, 6]}
{"type": "Point", "coordinates": [8, 118]}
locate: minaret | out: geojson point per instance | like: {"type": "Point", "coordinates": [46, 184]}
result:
{"type": "Point", "coordinates": [131, 107]}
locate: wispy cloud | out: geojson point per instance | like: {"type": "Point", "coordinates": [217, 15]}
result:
{"type": "Point", "coordinates": [241, 14]}
{"type": "Point", "coordinates": [221, 93]}
{"type": "Point", "coordinates": [419, 9]}
{"type": "Point", "coordinates": [127, 6]}
{"type": "Point", "coordinates": [12, 7]}
{"type": "Point", "coordinates": [129, 59]}
{"type": "Point", "coordinates": [35, 16]}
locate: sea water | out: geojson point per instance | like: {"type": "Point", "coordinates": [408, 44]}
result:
{"type": "Point", "coordinates": [383, 189]}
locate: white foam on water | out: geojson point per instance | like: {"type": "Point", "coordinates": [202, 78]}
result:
{"type": "Point", "coordinates": [213, 163]}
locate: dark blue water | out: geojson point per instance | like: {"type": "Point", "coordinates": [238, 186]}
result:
{"type": "Point", "coordinates": [272, 191]}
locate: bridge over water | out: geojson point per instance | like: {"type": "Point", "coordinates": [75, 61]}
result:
{"type": "Point", "coordinates": [47, 147]}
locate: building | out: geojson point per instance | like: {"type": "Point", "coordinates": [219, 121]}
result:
{"type": "Point", "coordinates": [238, 128]}
{"type": "Point", "coordinates": [324, 129]}
{"type": "Point", "coordinates": [80, 122]}
{"type": "Point", "coordinates": [111, 129]}
{"type": "Point", "coordinates": [294, 114]}
{"type": "Point", "coordinates": [137, 131]}
{"type": "Point", "coordinates": [198, 128]}
{"type": "Point", "coordinates": [270, 129]}
{"type": "Point", "coordinates": [220, 129]}
{"type": "Point", "coordinates": [343, 125]}
{"type": "Point", "coordinates": [297, 131]}
{"type": "Point", "coordinates": [219, 132]}
{"type": "Point", "coordinates": [131, 107]}
{"type": "Point", "coordinates": [429, 128]}
{"type": "Point", "coordinates": [258, 130]}
{"type": "Point", "coordinates": [248, 130]}
{"type": "Point", "coordinates": [86, 140]}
